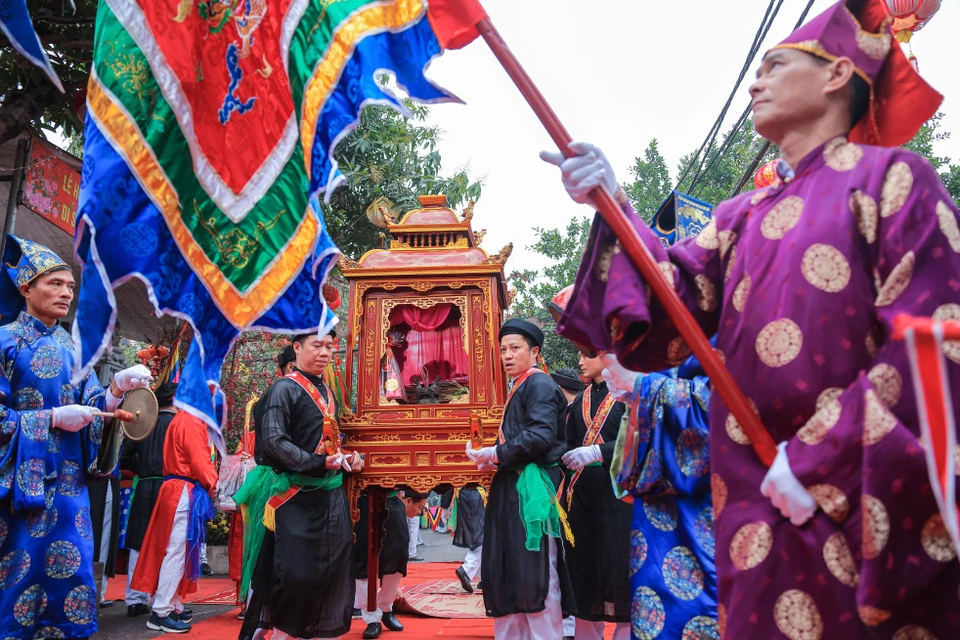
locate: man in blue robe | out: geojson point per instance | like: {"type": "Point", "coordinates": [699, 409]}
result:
{"type": "Point", "coordinates": [50, 439]}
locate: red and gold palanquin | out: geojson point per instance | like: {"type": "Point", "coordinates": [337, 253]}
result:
{"type": "Point", "coordinates": [433, 276]}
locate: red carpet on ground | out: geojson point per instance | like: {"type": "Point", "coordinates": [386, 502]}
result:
{"type": "Point", "coordinates": [226, 626]}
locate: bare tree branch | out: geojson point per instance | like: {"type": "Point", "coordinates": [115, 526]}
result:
{"type": "Point", "coordinates": [65, 20]}
{"type": "Point", "coordinates": [19, 109]}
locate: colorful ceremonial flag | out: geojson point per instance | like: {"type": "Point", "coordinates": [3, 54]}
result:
{"type": "Point", "coordinates": [926, 341]}
{"type": "Point", "coordinates": [16, 25]}
{"type": "Point", "coordinates": [209, 142]}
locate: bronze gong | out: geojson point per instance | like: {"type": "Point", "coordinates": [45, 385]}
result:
{"type": "Point", "coordinates": [142, 404]}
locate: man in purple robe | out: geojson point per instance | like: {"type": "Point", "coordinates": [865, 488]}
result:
{"type": "Point", "coordinates": [801, 281]}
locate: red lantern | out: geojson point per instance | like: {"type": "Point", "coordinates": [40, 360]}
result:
{"type": "Point", "coordinates": [910, 16]}
{"type": "Point", "coordinates": [80, 104]}
{"type": "Point", "coordinates": [766, 175]}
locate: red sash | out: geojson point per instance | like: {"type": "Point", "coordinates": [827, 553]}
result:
{"type": "Point", "coordinates": [516, 385]}
{"type": "Point", "coordinates": [592, 436]}
{"type": "Point", "coordinates": [326, 408]}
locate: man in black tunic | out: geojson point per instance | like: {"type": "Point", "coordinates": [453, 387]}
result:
{"type": "Point", "coordinates": [526, 588]}
{"type": "Point", "coordinates": [302, 584]}
{"type": "Point", "coordinates": [570, 383]}
{"type": "Point", "coordinates": [601, 523]}
{"type": "Point", "coordinates": [392, 565]}
{"type": "Point", "coordinates": [467, 507]}
{"type": "Point", "coordinates": [145, 459]}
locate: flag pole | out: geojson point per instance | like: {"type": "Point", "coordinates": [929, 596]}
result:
{"type": "Point", "coordinates": [638, 253]}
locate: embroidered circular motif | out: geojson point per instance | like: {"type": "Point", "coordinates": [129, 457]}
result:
{"type": "Point", "coordinates": [83, 523]}
{"type": "Point", "coordinates": [726, 240]}
{"type": "Point", "coordinates": [842, 155]}
{"type": "Point", "coordinates": [602, 268]}
{"type": "Point", "coordinates": [751, 545]}
{"type": "Point", "coordinates": [876, 526]}
{"type": "Point", "coordinates": [661, 512]}
{"type": "Point", "coordinates": [706, 293]}
{"type": "Point", "coordinates": [949, 311]}
{"type": "Point", "coordinates": [30, 477]}
{"type": "Point", "coordinates": [41, 523]}
{"type": "Point", "coordinates": [722, 618]}
{"type": "Point", "coordinates": [719, 489]}
{"type": "Point", "coordinates": [30, 605]}
{"type": "Point", "coordinates": [70, 479]}
{"type": "Point", "coordinates": [4, 530]}
{"type": "Point", "coordinates": [703, 530]}
{"type": "Point", "coordinates": [831, 500]}
{"type": "Point", "coordinates": [797, 616]}
{"type": "Point", "coordinates": [678, 351]}
{"type": "Point", "coordinates": [896, 189]}
{"type": "Point", "coordinates": [782, 217]}
{"type": "Point", "coordinates": [741, 292]}
{"type": "Point", "coordinates": [651, 473]}
{"type": "Point", "coordinates": [647, 617]}
{"type": "Point", "coordinates": [49, 497]}
{"type": "Point", "coordinates": [877, 419]}
{"type": "Point", "coordinates": [35, 425]}
{"type": "Point", "coordinates": [707, 238]}
{"type": "Point", "coordinates": [682, 573]}
{"type": "Point", "coordinates": [898, 281]}
{"type": "Point", "coordinates": [26, 399]}
{"type": "Point", "coordinates": [731, 263]}
{"type": "Point", "coordinates": [873, 616]}
{"type": "Point", "coordinates": [866, 213]}
{"type": "Point", "coordinates": [638, 551]}
{"type": "Point", "coordinates": [914, 632]}
{"type": "Point", "coordinates": [936, 540]}
{"type": "Point", "coordinates": [669, 272]}
{"type": "Point", "coordinates": [876, 46]}
{"type": "Point", "coordinates": [759, 195]}
{"type": "Point", "coordinates": [67, 395]}
{"type": "Point", "coordinates": [14, 568]}
{"type": "Point", "coordinates": [948, 225]}
{"type": "Point", "coordinates": [779, 343]}
{"type": "Point", "coordinates": [46, 362]}
{"type": "Point", "coordinates": [62, 559]}
{"type": "Point", "coordinates": [79, 605]}
{"type": "Point", "coordinates": [701, 628]}
{"type": "Point", "coordinates": [888, 383]}
{"type": "Point", "coordinates": [820, 423]}
{"type": "Point", "coordinates": [826, 268]}
{"type": "Point", "coordinates": [54, 441]}
{"type": "Point", "coordinates": [839, 559]}
{"type": "Point", "coordinates": [734, 430]}
{"type": "Point", "coordinates": [6, 475]}
{"type": "Point", "coordinates": [693, 453]}
{"type": "Point", "coordinates": [48, 633]}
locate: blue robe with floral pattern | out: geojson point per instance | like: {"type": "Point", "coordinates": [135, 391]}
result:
{"type": "Point", "coordinates": [664, 451]}
{"type": "Point", "coordinates": [46, 538]}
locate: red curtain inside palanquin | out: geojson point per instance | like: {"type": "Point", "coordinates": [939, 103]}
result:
{"type": "Point", "coordinates": [432, 344]}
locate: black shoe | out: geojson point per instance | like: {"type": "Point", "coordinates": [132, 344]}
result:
{"type": "Point", "coordinates": [480, 586]}
{"type": "Point", "coordinates": [206, 570]}
{"type": "Point", "coordinates": [241, 615]}
{"type": "Point", "coordinates": [414, 559]}
{"type": "Point", "coordinates": [464, 580]}
{"type": "Point", "coordinates": [357, 613]}
{"type": "Point", "coordinates": [168, 624]}
{"type": "Point", "coordinates": [135, 610]}
{"type": "Point", "coordinates": [106, 604]}
{"type": "Point", "coordinates": [184, 616]}
{"type": "Point", "coordinates": [390, 621]}
{"type": "Point", "coordinates": [373, 631]}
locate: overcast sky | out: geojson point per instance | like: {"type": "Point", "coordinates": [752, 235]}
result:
{"type": "Point", "coordinates": [619, 73]}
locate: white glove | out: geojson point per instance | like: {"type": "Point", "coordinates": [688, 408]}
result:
{"type": "Point", "coordinates": [785, 491]}
{"type": "Point", "coordinates": [621, 382]}
{"type": "Point", "coordinates": [578, 458]}
{"type": "Point", "coordinates": [482, 456]}
{"type": "Point", "coordinates": [72, 417]}
{"type": "Point", "coordinates": [132, 378]}
{"type": "Point", "coordinates": [584, 172]}
{"type": "Point", "coordinates": [336, 461]}
{"type": "Point", "coordinates": [486, 466]}
{"type": "Point", "coordinates": [355, 461]}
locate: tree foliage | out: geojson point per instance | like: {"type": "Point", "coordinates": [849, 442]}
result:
{"type": "Point", "coordinates": [651, 182]}
{"type": "Point", "coordinates": [535, 288]}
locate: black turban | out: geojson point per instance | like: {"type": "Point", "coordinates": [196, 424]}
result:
{"type": "Point", "coordinates": [522, 328]}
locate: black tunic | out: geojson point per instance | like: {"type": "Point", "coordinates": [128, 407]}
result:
{"type": "Point", "coordinates": [303, 583]}
{"type": "Point", "coordinates": [517, 580]}
{"type": "Point", "coordinates": [98, 488]}
{"type": "Point", "coordinates": [395, 538]}
{"type": "Point", "coordinates": [470, 517]}
{"type": "Point", "coordinates": [145, 459]}
{"type": "Point", "coordinates": [599, 563]}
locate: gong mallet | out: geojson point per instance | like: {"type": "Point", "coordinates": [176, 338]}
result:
{"type": "Point", "coordinates": [638, 253]}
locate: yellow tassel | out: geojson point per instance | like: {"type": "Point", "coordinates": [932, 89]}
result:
{"type": "Point", "coordinates": [565, 523]}
{"type": "Point", "coordinates": [270, 518]}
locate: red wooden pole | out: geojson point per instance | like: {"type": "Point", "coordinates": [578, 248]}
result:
{"type": "Point", "coordinates": [614, 216]}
